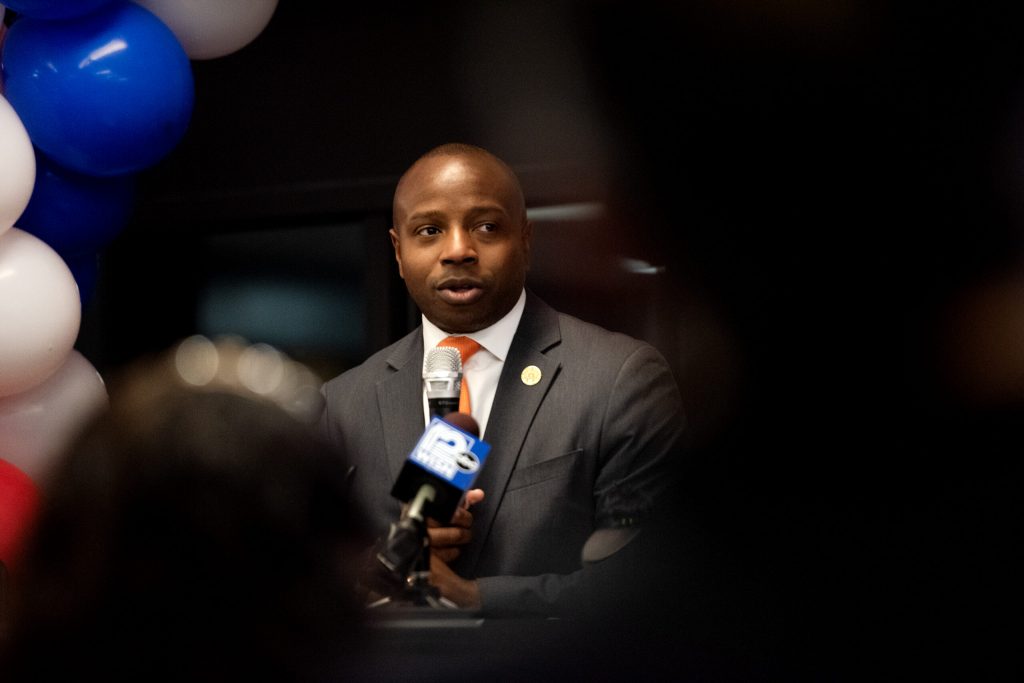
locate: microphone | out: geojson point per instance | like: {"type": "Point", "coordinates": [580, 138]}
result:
{"type": "Point", "coordinates": [442, 380]}
{"type": "Point", "coordinates": [464, 422]}
{"type": "Point", "coordinates": [440, 469]}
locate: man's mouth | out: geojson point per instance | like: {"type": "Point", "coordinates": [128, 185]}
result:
{"type": "Point", "coordinates": [460, 292]}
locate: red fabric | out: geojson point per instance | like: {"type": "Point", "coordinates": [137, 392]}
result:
{"type": "Point", "coordinates": [19, 499]}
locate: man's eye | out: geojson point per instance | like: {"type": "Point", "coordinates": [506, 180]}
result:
{"type": "Point", "coordinates": [428, 230]}
{"type": "Point", "coordinates": [488, 227]}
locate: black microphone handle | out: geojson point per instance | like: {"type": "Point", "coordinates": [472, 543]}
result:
{"type": "Point", "coordinates": [439, 407]}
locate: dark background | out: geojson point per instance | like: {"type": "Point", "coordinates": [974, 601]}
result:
{"type": "Point", "coordinates": [829, 195]}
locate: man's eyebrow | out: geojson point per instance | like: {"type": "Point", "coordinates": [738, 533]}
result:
{"type": "Point", "coordinates": [441, 215]}
{"type": "Point", "coordinates": [426, 215]}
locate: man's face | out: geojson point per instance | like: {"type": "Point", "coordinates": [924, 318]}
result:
{"type": "Point", "coordinates": [462, 240]}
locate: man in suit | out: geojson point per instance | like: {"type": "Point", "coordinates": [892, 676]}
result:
{"type": "Point", "coordinates": [583, 422]}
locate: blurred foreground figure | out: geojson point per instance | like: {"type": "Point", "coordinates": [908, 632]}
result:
{"type": "Point", "coordinates": [195, 531]}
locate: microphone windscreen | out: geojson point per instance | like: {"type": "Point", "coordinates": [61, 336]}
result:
{"type": "Point", "coordinates": [442, 359]}
{"type": "Point", "coordinates": [464, 422]}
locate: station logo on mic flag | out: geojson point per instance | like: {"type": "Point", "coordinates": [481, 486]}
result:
{"type": "Point", "coordinates": [450, 453]}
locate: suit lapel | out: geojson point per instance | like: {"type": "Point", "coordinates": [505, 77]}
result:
{"type": "Point", "coordinates": [400, 399]}
{"type": "Point", "coordinates": [515, 405]}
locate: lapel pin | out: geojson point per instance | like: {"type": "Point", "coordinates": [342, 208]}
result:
{"type": "Point", "coordinates": [530, 375]}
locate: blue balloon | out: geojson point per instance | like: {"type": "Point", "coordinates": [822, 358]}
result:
{"type": "Point", "coordinates": [73, 212]}
{"type": "Point", "coordinates": [106, 94]}
{"type": "Point", "coordinates": [54, 9]}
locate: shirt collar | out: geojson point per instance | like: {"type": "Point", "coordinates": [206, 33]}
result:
{"type": "Point", "coordinates": [496, 339]}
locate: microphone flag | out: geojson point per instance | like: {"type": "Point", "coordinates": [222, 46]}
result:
{"type": "Point", "coordinates": [446, 457]}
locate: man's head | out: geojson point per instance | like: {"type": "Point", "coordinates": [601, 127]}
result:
{"type": "Point", "coordinates": [461, 237]}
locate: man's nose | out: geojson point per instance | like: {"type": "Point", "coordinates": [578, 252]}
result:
{"type": "Point", "coordinates": [458, 247]}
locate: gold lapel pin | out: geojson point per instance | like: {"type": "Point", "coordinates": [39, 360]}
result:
{"type": "Point", "coordinates": [530, 375]}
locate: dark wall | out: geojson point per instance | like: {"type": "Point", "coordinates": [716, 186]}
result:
{"type": "Point", "coordinates": [841, 182]}
{"type": "Point", "coordinates": [312, 124]}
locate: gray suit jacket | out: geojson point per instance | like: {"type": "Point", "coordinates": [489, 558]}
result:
{"type": "Point", "coordinates": [586, 446]}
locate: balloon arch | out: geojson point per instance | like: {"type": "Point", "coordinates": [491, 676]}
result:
{"type": "Point", "coordinates": [91, 93]}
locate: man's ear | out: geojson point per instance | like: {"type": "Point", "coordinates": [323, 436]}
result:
{"type": "Point", "coordinates": [398, 250]}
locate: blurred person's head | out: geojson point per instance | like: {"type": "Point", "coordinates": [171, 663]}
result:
{"type": "Point", "coordinates": [198, 529]}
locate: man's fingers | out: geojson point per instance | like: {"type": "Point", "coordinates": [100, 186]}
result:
{"type": "Point", "coordinates": [462, 518]}
{"type": "Point", "coordinates": [447, 536]}
{"type": "Point", "coordinates": [473, 496]}
{"type": "Point", "coordinates": [445, 554]}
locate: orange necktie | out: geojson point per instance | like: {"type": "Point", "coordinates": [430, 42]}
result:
{"type": "Point", "coordinates": [466, 348]}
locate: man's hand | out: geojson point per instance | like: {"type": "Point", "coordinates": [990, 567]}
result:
{"type": "Point", "coordinates": [462, 592]}
{"type": "Point", "coordinates": [445, 541]}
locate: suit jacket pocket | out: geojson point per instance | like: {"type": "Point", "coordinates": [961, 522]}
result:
{"type": "Point", "coordinates": [542, 471]}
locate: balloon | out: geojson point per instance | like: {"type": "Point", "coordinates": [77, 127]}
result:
{"type": "Point", "coordinates": [40, 311]}
{"type": "Point", "coordinates": [213, 28]}
{"type": "Point", "coordinates": [106, 94]}
{"type": "Point", "coordinates": [54, 9]}
{"type": "Point", "coordinates": [73, 212]}
{"type": "Point", "coordinates": [36, 425]}
{"type": "Point", "coordinates": [17, 166]}
{"type": "Point", "coordinates": [19, 499]}
{"type": "Point", "coordinates": [85, 268]}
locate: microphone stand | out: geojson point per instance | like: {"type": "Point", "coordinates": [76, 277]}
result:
{"type": "Point", "coordinates": [406, 558]}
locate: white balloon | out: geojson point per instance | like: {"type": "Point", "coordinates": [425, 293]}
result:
{"type": "Point", "coordinates": [39, 311]}
{"type": "Point", "coordinates": [17, 166]}
{"type": "Point", "coordinates": [213, 28]}
{"type": "Point", "coordinates": [36, 425]}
